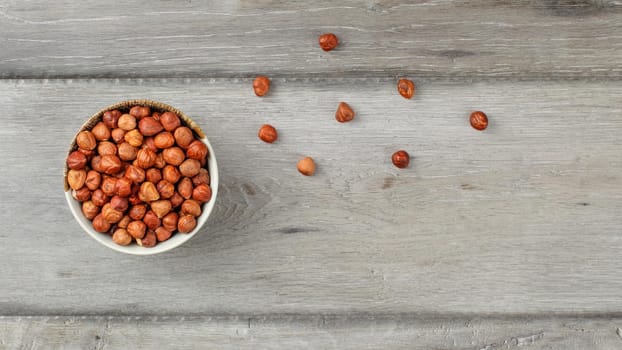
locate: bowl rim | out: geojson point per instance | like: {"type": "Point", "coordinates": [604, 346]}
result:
{"type": "Point", "coordinates": [177, 239]}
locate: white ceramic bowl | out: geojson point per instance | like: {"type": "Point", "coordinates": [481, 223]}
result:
{"type": "Point", "coordinates": [178, 238]}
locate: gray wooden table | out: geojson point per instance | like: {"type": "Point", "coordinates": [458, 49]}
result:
{"type": "Point", "coordinates": [491, 240]}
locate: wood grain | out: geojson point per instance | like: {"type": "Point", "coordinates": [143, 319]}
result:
{"type": "Point", "coordinates": [308, 332]}
{"type": "Point", "coordinates": [527, 40]}
{"type": "Point", "coordinates": [519, 219]}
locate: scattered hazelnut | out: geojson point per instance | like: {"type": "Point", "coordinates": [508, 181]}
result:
{"type": "Point", "coordinates": [110, 164]}
{"type": "Point", "coordinates": [176, 200]}
{"type": "Point", "coordinates": [110, 214]}
{"type": "Point", "coordinates": [202, 193]}
{"type": "Point", "coordinates": [159, 162]}
{"type": "Point", "coordinates": [169, 221]}
{"type": "Point", "coordinates": [306, 166]}
{"type": "Point", "coordinates": [140, 111]}
{"type": "Point", "coordinates": [119, 203]}
{"type": "Point", "coordinates": [170, 121]}
{"type": "Point", "coordinates": [93, 180]}
{"type": "Point", "coordinates": [174, 155]}
{"type": "Point", "coordinates": [149, 142]}
{"type": "Point", "coordinates": [344, 113]}
{"type": "Point", "coordinates": [145, 158]}
{"type": "Point", "coordinates": [136, 229]}
{"type": "Point", "coordinates": [100, 224]}
{"type": "Point", "coordinates": [162, 234]}
{"type": "Point", "coordinates": [106, 148]}
{"type": "Point", "coordinates": [328, 41]}
{"type": "Point", "coordinates": [90, 210]}
{"type": "Point", "coordinates": [76, 160]}
{"type": "Point", "coordinates": [123, 187]}
{"type": "Point", "coordinates": [185, 188]}
{"type": "Point", "coordinates": [108, 185]}
{"type": "Point", "coordinates": [137, 212]}
{"type": "Point", "coordinates": [76, 178]}
{"type": "Point", "coordinates": [96, 164]}
{"type": "Point", "coordinates": [261, 85]}
{"type": "Point", "coordinates": [186, 223]}
{"type": "Point", "coordinates": [201, 178]}
{"type": "Point", "coordinates": [127, 122]}
{"type": "Point", "coordinates": [406, 88]}
{"type": "Point", "coordinates": [164, 140]}
{"type": "Point", "coordinates": [161, 207]}
{"type": "Point", "coordinates": [99, 198]}
{"type": "Point", "coordinates": [125, 220]}
{"type": "Point", "coordinates": [134, 173]}
{"type": "Point", "coordinates": [267, 133]}
{"type": "Point", "coordinates": [191, 207]}
{"type": "Point", "coordinates": [148, 192]}
{"type": "Point", "coordinates": [101, 132]}
{"type": "Point", "coordinates": [183, 137]}
{"type": "Point", "coordinates": [110, 118]}
{"type": "Point", "coordinates": [479, 120]}
{"type": "Point", "coordinates": [118, 135]}
{"type": "Point", "coordinates": [81, 195]}
{"type": "Point", "coordinates": [171, 174]}
{"type": "Point", "coordinates": [86, 140]}
{"type": "Point", "coordinates": [148, 241]}
{"type": "Point", "coordinates": [166, 189]}
{"type": "Point", "coordinates": [121, 237]}
{"type": "Point", "coordinates": [127, 152]}
{"type": "Point", "coordinates": [149, 126]}
{"type": "Point", "coordinates": [153, 175]}
{"type": "Point", "coordinates": [190, 167]}
{"type": "Point", "coordinates": [400, 159]}
{"type": "Point", "coordinates": [197, 150]}
{"type": "Point", "coordinates": [134, 137]}
{"type": "Point", "coordinates": [151, 220]}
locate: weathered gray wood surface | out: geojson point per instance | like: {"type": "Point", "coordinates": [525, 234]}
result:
{"type": "Point", "coordinates": [526, 39]}
{"type": "Point", "coordinates": [310, 332]}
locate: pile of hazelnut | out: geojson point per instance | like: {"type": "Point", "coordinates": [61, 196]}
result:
{"type": "Point", "coordinates": [140, 176]}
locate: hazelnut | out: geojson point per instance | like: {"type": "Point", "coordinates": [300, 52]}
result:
{"type": "Point", "coordinates": [110, 118]}
{"type": "Point", "coordinates": [127, 152]}
{"type": "Point", "coordinates": [110, 164]}
{"type": "Point", "coordinates": [108, 185]}
{"type": "Point", "coordinates": [191, 207]}
{"type": "Point", "coordinates": [154, 175]}
{"type": "Point", "coordinates": [90, 210]}
{"type": "Point", "coordinates": [100, 224]}
{"type": "Point", "coordinates": [162, 234]}
{"type": "Point", "coordinates": [400, 159]}
{"type": "Point", "coordinates": [161, 207]}
{"type": "Point", "coordinates": [202, 193]}
{"type": "Point", "coordinates": [81, 195]}
{"type": "Point", "coordinates": [267, 133]}
{"type": "Point", "coordinates": [183, 137]}
{"type": "Point", "coordinates": [76, 178]}
{"type": "Point", "coordinates": [148, 192]}
{"type": "Point", "coordinates": [201, 178]}
{"type": "Point", "coordinates": [96, 163]}
{"type": "Point", "coordinates": [110, 214]}
{"type": "Point", "coordinates": [306, 166]}
{"type": "Point", "coordinates": [185, 188]}
{"type": "Point", "coordinates": [121, 237]}
{"type": "Point", "coordinates": [118, 135]}
{"type": "Point", "coordinates": [93, 180]}
{"type": "Point", "coordinates": [134, 199]}
{"type": "Point", "coordinates": [99, 198]}
{"type": "Point", "coordinates": [135, 174]}
{"type": "Point", "coordinates": [174, 155]}
{"type": "Point", "coordinates": [164, 140]}
{"type": "Point", "coordinates": [159, 162]}
{"type": "Point", "coordinates": [89, 153]}
{"type": "Point", "coordinates": [76, 160]}
{"type": "Point", "coordinates": [261, 85]}
{"type": "Point", "coordinates": [136, 229]}
{"type": "Point", "coordinates": [101, 132]}
{"type": "Point", "coordinates": [151, 220]}
{"type": "Point", "coordinates": [125, 220]}
{"type": "Point", "coordinates": [86, 140]}
{"type": "Point", "coordinates": [148, 241]}
{"type": "Point", "coordinates": [479, 120]}
{"type": "Point", "coordinates": [197, 150]}
{"type": "Point", "coordinates": [406, 88]}
{"type": "Point", "coordinates": [137, 212]}
{"type": "Point", "coordinates": [145, 158]}
{"type": "Point", "coordinates": [190, 167]}
{"type": "Point", "coordinates": [169, 221]}
{"type": "Point", "coordinates": [171, 174]}
{"type": "Point", "coordinates": [123, 187]}
{"type": "Point", "coordinates": [106, 148]}
{"type": "Point", "coordinates": [328, 41]}
{"type": "Point", "coordinates": [149, 126]}
{"type": "Point", "coordinates": [176, 200]}
{"type": "Point", "coordinates": [134, 137]}
{"type": "Point", "coordinates": [166, 189]}
{"type": "Point", "coordinates": [170, 121]}
{"type": "Point", "coordinates": [186, 223]}
{"type": "Point", "coordinates": [149, 142]}
{"type": "Point", "coordinates": [140, 111]}
{"type": "Point", "coordinates": [344, 113]}
{"type": "Point", "coordinates": [127, 122]}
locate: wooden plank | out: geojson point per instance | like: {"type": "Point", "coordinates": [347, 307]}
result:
{"type": "Point", "coordinates": [476, 38]}
{"type": "Point", "coordinates": [308, 332]}
{"type": "Point", "coordinates": [521, 218]}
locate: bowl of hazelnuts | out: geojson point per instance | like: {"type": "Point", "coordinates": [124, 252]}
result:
{"type": "Point", "coordinates": [141, 177]}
